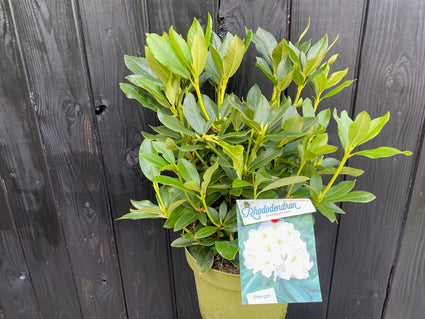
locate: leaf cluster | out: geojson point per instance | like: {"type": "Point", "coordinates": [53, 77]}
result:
{"type": "Point", "coordinates": [209, 151]}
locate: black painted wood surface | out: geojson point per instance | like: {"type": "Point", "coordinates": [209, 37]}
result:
{"type": "Point", "coordinates": [69, 142]}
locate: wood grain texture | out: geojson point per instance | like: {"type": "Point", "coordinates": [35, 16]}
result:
{"type": "Point", "coordinates": [407, 289]}
{"type": "Point", "coordinates": [345, 21]}
{"type": "Point", "coordinates": [234, 15]}
{"type": "Point", "coordinates": [33, 250]}
{"type": "Point", "coordinates": [162, 14]}
{"type": "Point", "coordinates": [58, 81]}
{"type": "Point", "coordinates": [17, 297]}
{"type": "Point", "coordinates": [111, 30]}
{"type": "Point", "coordinates": [390, 79]}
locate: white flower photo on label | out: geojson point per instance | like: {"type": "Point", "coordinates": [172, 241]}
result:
{"type": "Point", "coordinates": [276, 248]}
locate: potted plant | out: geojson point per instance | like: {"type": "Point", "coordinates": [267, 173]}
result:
{"type": "Point", "coordinates": [213, 148]}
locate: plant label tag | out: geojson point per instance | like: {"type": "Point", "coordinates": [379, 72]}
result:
{"type": "Point", "coordinates": [260, 210]}
{"type": "Point", "coordinates": [262, 297]}
{"type": "Point", "coordinates": [277, 260]}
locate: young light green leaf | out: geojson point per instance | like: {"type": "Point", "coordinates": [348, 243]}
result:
{"type": "Point", "coordinates": [321, 45]}
{"type": "Point", "coordinates": [338, 89]}
{"type": "Point", "coordinates": [181, 47]}
{"type": "Point", "coordinates": [233, 57]}
{"type": "Point", "coordinates": [174, 182]}
{"type": "Point", "coordinates": [355, 172]}
{"type": "Point", "coordinates": [163, 51]}
{"type": "Point", "coordinates": [376, 126]}
{"type": "Point", "coordinates": [335, 193]}
{"type": "Point", "coordinates": [160, 70]}
{"type": "Point", "coordinates": [382, 152]}
{"type": "Point", "coordinates": [141, 215]}
{"type": "Point", "coordinates": [207, 177]}
{"type": "Point", "coordinates": [335, 78]}
{"type": "Point", "coordinates": [174, 205]}
{"type": "Point", "coordinates": [158, 161]}
{"type": "Point", "coordinates": [194, 28]}
{"type": "Point", "coordinates": [240, 183]}
{"type": "Point", "coordinates": [236, 154]}
{"type": "Point", "coordinates": [358, 129]}
{"type": "Point", "coordinates": [142, 97]}
{"type": "Point", "coordinates": [344, 122]}
{"type": "Point", "coordinates": [199, 53]}
{"type": "Point", "coordinates": [358, 197]}
{"type": "Point", "coordinates": [284, 182]}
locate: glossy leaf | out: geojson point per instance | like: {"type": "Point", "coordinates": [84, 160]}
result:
{"type": "Point", "coordinates": [227, 249]}
{"type": "Point", "coordinates": [188, 171]}
{"type": "Point", "coordinates": [382, 152]}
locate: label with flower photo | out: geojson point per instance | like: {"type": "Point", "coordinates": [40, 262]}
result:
{"type": "Point", "coordinates": [278, 261]}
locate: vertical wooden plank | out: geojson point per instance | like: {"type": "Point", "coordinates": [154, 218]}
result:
{"type": "Point", "coordinates": [345, 20]}
{"type": "Point", "coordinates": [234, 15]}
{"type": "Point", "coordinates": [52, 52]}
{"type": "Point", "coordinates": [389, 79]}
{"type": "Point", "coordinates": [162, 14]}
{"type": "Point", "coordinates": [17, 298]}
{"type": "Point", "coordinates": [407, 289]}
{"type": "Point", "coordinates": [26, 197]}
{"type": "Point", "coordinates": [111, 30]}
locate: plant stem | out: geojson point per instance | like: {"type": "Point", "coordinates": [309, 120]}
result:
{"type": "Point", "coordinates": [221, 91]}
{"type": "Point", "coordinates": [206, 210]}
{"type": "Point", "coordinates": [198, 93]}
{"type": "Point", "coordinates": [346, 156]}
{"type": "Point", "coordinates": [298, 174]}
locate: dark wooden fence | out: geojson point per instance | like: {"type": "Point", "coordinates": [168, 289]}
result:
{"type": "Point", "coordinates": [69, 142]}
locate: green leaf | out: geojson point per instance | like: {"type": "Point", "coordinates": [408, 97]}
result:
{"type": "Point", "coordinates": [174, 124]}
{"type": "Point", "coordinates": [139, 95]}
{"type": "Point", "coordinates": [358, 197]}
{"type": "Point", "coordinates": [148, 169]}
{"type": "Point", "coordinates": [205, 232]}
{"type": "Point", "coordinates": [344, 122]}
{"type": "Point", "coordinates": [160, 71]}
{"type": "Point", "coordinates": [194, 28]}
{"type": "Point", "coordinates": [193, 114]}
{"type": "Point", "coordinates": [183, 242]}
{"type": "Point", "coordinates": [358, 129]}
{"type": "Point", "coordinates": [279, 52]}
{"type": "Point", "coordinates": [335, 78]}
{"type": "Point", "coordinates": [140, 215]}
{"type": "Point", "coordinates": [184, 220]}
{"type": "Point", "coordinates": [227, 249]}
{"type": "Point", "coordinates": [151, 86]}
{"type": "Point", "coordinates": [236, 154]}
{"type": "Point", "coordinates": [158, 161]}
{"type": "Point", "coordinates": [298, 76]}
{"type": "Point", "coordinates": [181, 47]}
{"type": "Point", "coordinates": [217, 59]}
{"type": "Point", "coordinates": [321, 45]}
{"type": "Point", "coordinates": [265, 158]}
{"type": "Point", "coordinates": [163, 51]}
{"type": "Point", "coordinates": [304, 31]}
{"type": "Point", "coordinates": [329, 210]}
{"type": "Point", "coordinates": [335, 193]}
{"type": "Point", "coordinates": [345, 171]}
{"type": "Point", "coordinates": [284, 182]}
{"type": "Point", "coordinates": [174, 182]}
{"type": "Point", "coordinates": [174, 205]}
{"type": "Point", "coordinates": [338, 89]}
{"type": "Point", "coordinates": [199, 53]}
{"type": "Point", "coordinates": [207, 177]}
{"type": "Point", "coordinates": [240, 183]}
{"type": "Point", "coordinates": [376, 126]}
{"type": "Point", "coordinates": [208, 30]}
{"type": "Point", "coordinates": [233, 57]}
{"type": "Point", "coordinates": [259, 104]}
{"type": "Point", "coordinates": [139, 66]}
{"type": "Point", "coordinates": [193, 186]}
{"type": "Point", "coordinates": [159, 146]}
{"type": "Point", "coordinates": [173, 216]}
{"type": "Point", "coordinates": [313, 63]}
{"type": "Point", "coordinates": [268, 41]}
{"type": "Point", "coordinates": [204, 256]}
{"type": "Point", "coordinates": [284, 82]}
{"type": "Point", "coordinates": [262, 64]}
{"type": "Point", "coordinates": [188, 171]}
{"type": "Point", "coordinates": [382, 152]}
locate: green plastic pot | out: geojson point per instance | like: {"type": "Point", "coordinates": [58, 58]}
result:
{"type": "Point", "coordinates": [219, 297]}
